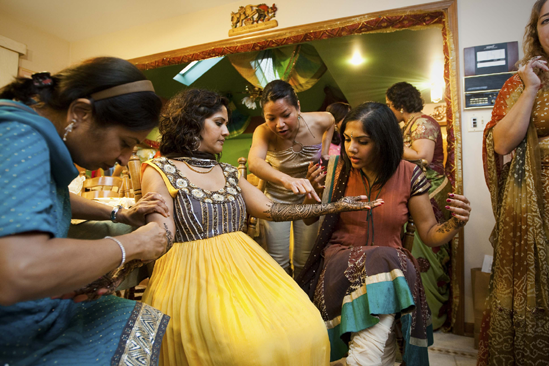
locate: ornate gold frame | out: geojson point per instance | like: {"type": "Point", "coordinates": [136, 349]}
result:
{"type": "Point", "coordinates": [442, 14]}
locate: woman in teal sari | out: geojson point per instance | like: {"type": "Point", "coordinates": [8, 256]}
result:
{"type": "Point", "coordinates": [423, 140]}
{"type": "Point", "coordinates": [92, 115]}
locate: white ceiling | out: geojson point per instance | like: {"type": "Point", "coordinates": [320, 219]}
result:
{"type": "Point", "coordinates": [73, 20]}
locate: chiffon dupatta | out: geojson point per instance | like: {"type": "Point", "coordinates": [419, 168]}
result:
{"type": "Point", "coordinates": [515, 326]}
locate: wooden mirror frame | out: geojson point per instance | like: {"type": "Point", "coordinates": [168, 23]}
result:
{"type": "Point", "coordinates": [442, 14]}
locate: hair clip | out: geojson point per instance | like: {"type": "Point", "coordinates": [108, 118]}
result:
{"type": "Point", "coordinates": [42, 79]}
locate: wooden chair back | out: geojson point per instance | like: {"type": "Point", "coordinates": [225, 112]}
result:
{"type": "Point", "coordinates": [134, 167]}
{"type": "Point", "coordinates": [100, 187]}
{"type": "Point", "coordinates": [259, 183]}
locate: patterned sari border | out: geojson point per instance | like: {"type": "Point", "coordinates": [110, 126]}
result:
{"type": "Point", "coordinates": [141, 338]}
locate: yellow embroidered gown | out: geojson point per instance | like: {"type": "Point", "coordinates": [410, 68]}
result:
{"type": "Point", "coordinates": [230, 303]}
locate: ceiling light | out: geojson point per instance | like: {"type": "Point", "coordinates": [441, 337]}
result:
{"type": "Point", "coordinates": [357, 58]}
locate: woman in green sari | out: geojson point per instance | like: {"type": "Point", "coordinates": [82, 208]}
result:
{"type": "Point", "coordinates": [423, 141]}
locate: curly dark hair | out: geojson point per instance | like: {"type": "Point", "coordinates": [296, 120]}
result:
{"type": "Point", "coordinates": [531, 44]}
{"type": "Point", "coordinates": [405, 96]}
{"type": "Point", "coordinates": [279, 89]}
{"type": "Point", "coordinates": [134, 111]}
{"type": "Point", "coordinates": [182, 121]}
{"type": "Point", "coordinates": [380, 123]}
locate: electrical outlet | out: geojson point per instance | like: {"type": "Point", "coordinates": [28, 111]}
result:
{"type": "Point", "coordinates": [477, 121]}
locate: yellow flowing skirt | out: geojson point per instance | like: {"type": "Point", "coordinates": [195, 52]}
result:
{"type": "Point", "coordinates": [230, 303]}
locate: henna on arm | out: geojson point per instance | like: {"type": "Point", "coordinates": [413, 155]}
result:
{"type": "Point", "coordinates": [169, 238]}
{"type": "Point", "coordinates": [288, 212]}
{"type": "Point", "coordinates": [450, 225]}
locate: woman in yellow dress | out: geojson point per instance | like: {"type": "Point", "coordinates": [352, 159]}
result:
{"type": "Point", "coordinates": [230, 303]}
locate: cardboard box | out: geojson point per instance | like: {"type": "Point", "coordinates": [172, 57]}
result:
{"type": "Point", "coordinates": [480, 282]}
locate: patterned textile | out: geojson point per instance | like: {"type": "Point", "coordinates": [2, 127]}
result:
{"type": "Point", "coordinates": [436, 262]}
{"type": "Point", "coordinates": [34, 179]}
{"type": "Point", "coordinates": [426, 127]}
{"type": "Point", "coordinates": [230, 303]}
{"type": "Point", "coordinates": [351, 280]}
{"type": "Point", "coordinates": [515, 326]}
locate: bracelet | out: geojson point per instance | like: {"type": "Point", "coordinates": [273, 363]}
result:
{"type": "Point", "coordinates": [121, 248]}
{"type": "Point", "coordinates": [114, 212]}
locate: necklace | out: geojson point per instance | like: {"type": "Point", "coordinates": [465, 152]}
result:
{"type": "Point", "coordinates": [369, 213]}
{"type": "Point", "coordinates": [197, 162]}
{"type": "Point", "coordinates": [294, 142]}
{"type": "Point", "coordinates": [198, 171]}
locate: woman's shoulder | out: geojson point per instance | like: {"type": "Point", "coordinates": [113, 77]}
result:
{"type": "Point", "coordinates": [319, 118]}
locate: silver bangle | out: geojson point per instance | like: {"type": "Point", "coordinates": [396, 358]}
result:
{"type": "Point", "coordinates": [121, 248]}
{"type": "Point", "coordinates": [114, 212]}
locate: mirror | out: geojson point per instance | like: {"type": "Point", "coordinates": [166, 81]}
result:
{"type": "Point", "coordinates": [397, 45]}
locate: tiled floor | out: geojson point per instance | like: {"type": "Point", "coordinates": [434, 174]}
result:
{"type": "Point", "coordinates": [452, 350]}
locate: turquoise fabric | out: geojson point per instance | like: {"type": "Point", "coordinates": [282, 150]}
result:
{"type": "Point", "coordinates": [35, 170]}
{"type": "Point", "coordinates": [388, 297]}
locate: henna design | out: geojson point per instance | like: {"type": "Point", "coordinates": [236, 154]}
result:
{"type": "Point", "coordinates": [286, 212]}
{"type": "Point", "coordinates": [169, 237]}
{"type": "Point", "coordinates": [450, 225]}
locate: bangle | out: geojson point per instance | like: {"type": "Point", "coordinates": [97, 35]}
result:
{"type": "Point", "coordinates": [114, 212]}
{"type": "Point", "coordinates": [121, 248]}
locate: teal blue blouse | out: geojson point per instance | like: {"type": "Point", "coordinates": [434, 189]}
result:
{"type": "Point", "coordinates": [35, 171]}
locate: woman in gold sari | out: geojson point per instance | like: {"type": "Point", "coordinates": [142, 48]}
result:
{"type": "Point", "coordinates": [515, 327]}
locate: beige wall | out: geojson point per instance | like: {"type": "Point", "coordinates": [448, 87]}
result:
{"type": "Point", "coordinates": [480, 22]}
{"type": "Point", "coordinates": [45, 52]}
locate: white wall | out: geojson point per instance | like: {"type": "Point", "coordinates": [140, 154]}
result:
{"type": "Point", "coordinates": [480, 22]}
{"type": "Point", "coordinates": [45, 52]}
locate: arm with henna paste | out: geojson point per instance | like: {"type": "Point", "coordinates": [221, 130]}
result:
{"type": "Point", "coordinates": [432, 233]}
{"type": "Point", "coordinates": [258, 205]}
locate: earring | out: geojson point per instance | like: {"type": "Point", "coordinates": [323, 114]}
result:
{"type": "Point", "coordinates": [196, 144]}
{"type": "Point", "coordinates": [68, 129]}
{"type": "Point", "coordinates": [401, 110]}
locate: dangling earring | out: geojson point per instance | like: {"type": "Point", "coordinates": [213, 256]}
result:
{"type": "Point", "coordinates": [196, 144]}
{"type": "Point", "coordinates": [68, 129]}
{"type": "Point", "coordinates": [401, 110]}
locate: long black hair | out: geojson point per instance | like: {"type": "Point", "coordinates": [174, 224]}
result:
{"type": "Point", "coordinates": [135, 111]}
{"type": "Point", "coordinates": [380, 123]}
{"type": "Point", "coordinates": [182, 121]}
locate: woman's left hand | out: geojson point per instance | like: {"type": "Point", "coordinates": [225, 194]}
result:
{"type": "Point", "coordinates": [459, 206]}
{"type": "Point", "coordinates": [148, 204]}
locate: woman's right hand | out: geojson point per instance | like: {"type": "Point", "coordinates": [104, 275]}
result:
{"type": "Point", "coordinates": [527, 72]}
{"type": "Point", "coordinates": [152, 240]}
{"type": "Point", "coordinates": [300, 186]}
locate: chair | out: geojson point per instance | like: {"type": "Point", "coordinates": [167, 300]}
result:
{"type": "Point", "coordinates": [102, 187]}
{"type": "Point", "coordinates": [259, 183]}
{"type": "Point", "coordinates": [134, 167]}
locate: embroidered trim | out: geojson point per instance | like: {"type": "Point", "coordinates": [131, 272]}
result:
{"type": "Point", "coordinates": [182, 183]}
